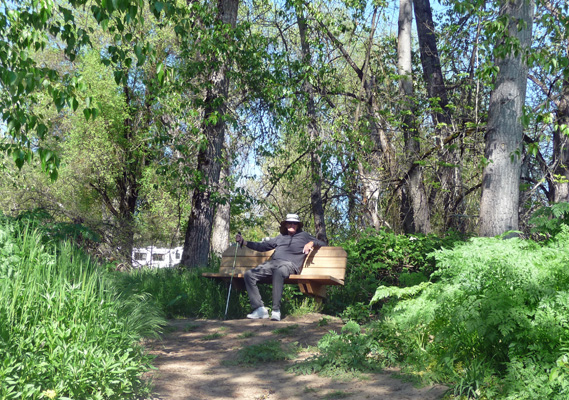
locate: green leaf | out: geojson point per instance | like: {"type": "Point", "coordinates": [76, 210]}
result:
{"type": "Point", "coordinates": [160, 73]}
{"type": "Point", "coordinates": [118, 77]}
{"type": "Point", "coordinates": [11, 78]}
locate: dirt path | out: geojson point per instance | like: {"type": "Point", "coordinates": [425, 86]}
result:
{"type": "Point", "coordinates": [194, 362]}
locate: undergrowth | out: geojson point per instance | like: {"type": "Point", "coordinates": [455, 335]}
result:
{"type": "Point", "coordinates": [65, 331]}
{"type": "Point", "coordinates": [267, 351]}
{"type": "Point", "coordinates": [383, 257]}
{"type": "Point", "coordinates": [494, 323]}
{"type": "Point", "coordinates": [341, 355]}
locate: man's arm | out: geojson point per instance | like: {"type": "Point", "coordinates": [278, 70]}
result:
{"type": "Point", "coordinates": [312, 242]}
{"type": "Point", "coordinates": [257, 246]}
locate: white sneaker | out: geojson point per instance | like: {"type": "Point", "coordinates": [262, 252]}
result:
{"type": "Point", "coordinates": [276, 315]}
{"type": "Point", "coordinates": [259, 313]}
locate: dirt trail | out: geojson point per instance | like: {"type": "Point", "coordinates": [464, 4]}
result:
{"type": "Point", "coordinates": [193, 362]}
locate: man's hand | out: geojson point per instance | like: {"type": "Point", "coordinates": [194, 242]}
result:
{"type": "Point", "coordinates": [308, 247]}
{"type": "Point", "coordinates": [239, 239]}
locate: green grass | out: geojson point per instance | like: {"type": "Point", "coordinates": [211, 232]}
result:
{"type": "Point", "coordinates": [184, 293]}
{"type": "Point", "coordinates": [268, 351]}
{"type": "Point", "coordinates": [64, 328]}
{"type": "Point", "coordinates": [213, 336]}
{"type": "Point", "coordinates": [286, 330]}
{"type": "Point", "coordinates": [246, 335]}
{"type": "Point", "coordinates": [337, 394]}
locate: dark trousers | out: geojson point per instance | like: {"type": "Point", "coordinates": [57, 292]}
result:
{"type": "Point", "coordinates": [278, 270]}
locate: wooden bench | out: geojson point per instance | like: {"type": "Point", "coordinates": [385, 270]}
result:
{"type": "Point", "coordinates": [323, 267]}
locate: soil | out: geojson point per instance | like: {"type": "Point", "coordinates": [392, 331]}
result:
{"type": "Point", "coordinates": [196, 360]}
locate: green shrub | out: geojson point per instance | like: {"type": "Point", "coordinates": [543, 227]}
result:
{"type": "Point", "coordinates": [382, 257]}
{"type": "Point", "coordinates": [64, 329]}
{"type": "Point", "coordinates": [494, 322]}
{"type": "Point", "coordinates": [549, 220]}
{"type": "Point", "coordinates": [348, 352]}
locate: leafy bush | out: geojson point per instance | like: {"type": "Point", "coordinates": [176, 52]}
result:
{"type": "Point", "coordinates": [348, 352]}
{"type": "Point", "coordinates": [383, 257]}
{"type": "Point", "coordinates": [549, 220]}
{"type": "Point", "coordinates": [495, 322]}
{"type": "Point", "coordinates": [51, 231]}
{"type": "Point", "coordinates": [65, 332]}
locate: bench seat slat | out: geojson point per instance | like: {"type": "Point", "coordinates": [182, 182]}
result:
{"type": "Point", "coordinates": [322, 279]}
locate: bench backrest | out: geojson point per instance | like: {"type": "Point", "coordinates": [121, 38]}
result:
{"type": "Point", "coordinates": [328, 260]}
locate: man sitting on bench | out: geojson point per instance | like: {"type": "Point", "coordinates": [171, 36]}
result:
{"type": "Point", "coordinates": [291, 248]}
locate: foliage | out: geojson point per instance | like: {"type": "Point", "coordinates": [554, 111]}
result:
{"type": "Point", "coordinates": [185, 293]}
{"type": "Point", "coordinates": [494, 323]}
{"type": "Point", "coordinates": [347, 352]}
{"type": "Point", "coordinates": [286, 330]}
{"type": "Point", "coordinates": [358, 312]}
{"type": "Point", "coordinates": [55, 232]}
{"type": "Point", "coordinates": [64, 329]}
{"type": "Point", "coordinates": [385, 257]}
{"type": "Point", "coordinates": [549, 220]}
{"type": "Point", "coordinates": [267, 351]}
{"type": "Point", "coordinates": [383, 292]}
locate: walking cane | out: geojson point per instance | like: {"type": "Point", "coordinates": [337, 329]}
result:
{"type": "Point", "coordinates": [231, 280]}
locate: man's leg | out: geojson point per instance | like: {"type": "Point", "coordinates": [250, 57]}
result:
{"type": "Point", "coordinates": [251, 277]}
{"type": "Point", "coordinates": [280, 273]}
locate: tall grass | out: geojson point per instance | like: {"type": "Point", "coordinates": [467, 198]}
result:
{"type": "Point", "coordinates": [184, 293]}
{"type": "Point", "coordinates": [65, 331]}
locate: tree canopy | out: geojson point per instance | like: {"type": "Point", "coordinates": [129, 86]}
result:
{"type": "Point", "coordinates": [152, 117]}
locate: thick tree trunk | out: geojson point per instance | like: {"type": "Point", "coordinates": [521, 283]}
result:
{"type": "Point", "coordinates": [504, 135]}
{"type": "Point", "coordinates": [220, 239]}
{"type": "Point", "coordinates": [414, 181]}
{"type": "Point", "coordinates": [198, 234]}
{"type": "Point", "coordinates": [449, 176]}
{"type": "Point", "coordinates": [561, 148]}
{"type": "Point", "coordinates": [316, 202]}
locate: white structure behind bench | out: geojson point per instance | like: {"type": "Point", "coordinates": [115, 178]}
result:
{"type": "Point", "coordinates": [156, 257]}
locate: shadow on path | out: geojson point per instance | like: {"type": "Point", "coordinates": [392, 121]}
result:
{"type": "Point", "coordinates": [194, 363]}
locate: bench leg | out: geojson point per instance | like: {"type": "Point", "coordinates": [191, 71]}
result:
{"type": "Point", "coordinates": [237, 284]}
{"type": "Point", "coordinates": [313, 289]}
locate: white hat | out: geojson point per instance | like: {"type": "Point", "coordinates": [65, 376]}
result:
{"type": "Point", "coordinates": [291, 218]}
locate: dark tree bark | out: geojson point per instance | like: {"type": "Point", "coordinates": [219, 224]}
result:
{"type": "Point", "coordinates": [450, 177]}
{"type": "Point", "coordinates": [504, 134]}
{"type": "Point", "coordinates": [560, 187]}
{"type": "Point", "coordinates": [316, 202]}
{"type": "Point", "coordinates": [198, 234]}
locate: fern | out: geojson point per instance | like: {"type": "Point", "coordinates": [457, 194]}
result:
{"type": "Point", "coordinates": [383, 292]}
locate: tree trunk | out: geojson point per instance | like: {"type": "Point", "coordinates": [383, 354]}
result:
{"type": "Point", "coordinates": [220, 238]}
{"type": "Point", "coordinates": [504, 134]}
{"type": "Point", "coordinates": [316, 202]}
{"type": "Point", "coordinates": [198, 234]}
{"type": "Point", "coordinates": [561, 148]}
{"type": "Point", "coordinates": [414, 181]}
{"type": "Point", "coordinates": [449, 176]}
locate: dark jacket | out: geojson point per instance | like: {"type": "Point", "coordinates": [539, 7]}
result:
{"type": "Point", "coordinates": [287, 247]}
